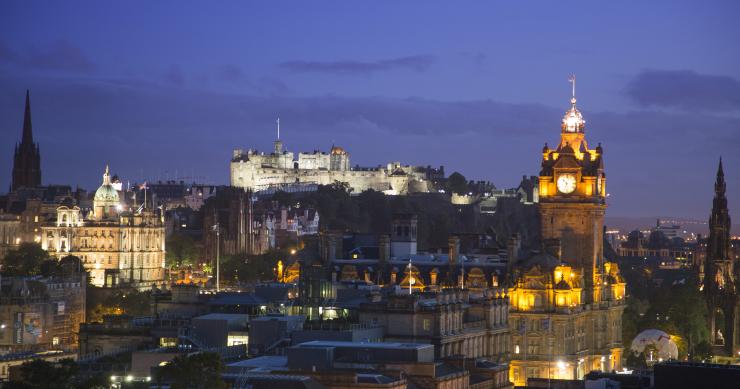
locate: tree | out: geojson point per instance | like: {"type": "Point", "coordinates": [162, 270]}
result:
{"type": "Point", "coordinates": [103, 301]}
{"type": "Point", "coordinates": [457, 183]}
{"type": "Point", "coordinates": [199, 371]}
{"type": "Point", "coordinates": [283, 198]}
{"type": "Point", "coordinates": [182, 249]}
{"type": "Point", "coordinates": [253, 268]}
{"type": "Point", "coordinates": [677, 309]}
{"type": "Point", "coordinates": [40, 374]}
{"type": "Point", "coordinates": [25, 260]}
{"type": "Point", "coordinates": [71, 264]}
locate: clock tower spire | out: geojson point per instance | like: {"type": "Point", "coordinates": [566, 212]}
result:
{"type": "Point", "coordinates": [569, 285]}
{"type": "Point", "coordinates": [573, 198]}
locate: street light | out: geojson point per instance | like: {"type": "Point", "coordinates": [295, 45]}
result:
{"type": "Point", "coordinates": [218, 257]}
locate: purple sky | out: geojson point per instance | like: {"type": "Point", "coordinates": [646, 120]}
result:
{"type": "Point", "coordinates": [168, 89]}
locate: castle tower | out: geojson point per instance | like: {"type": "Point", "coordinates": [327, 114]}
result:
{"type": "Point", "coordinates": [719, 280]}
{"type": "Point", "coordinates": [27, 158]}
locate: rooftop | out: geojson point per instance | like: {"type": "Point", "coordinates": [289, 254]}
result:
{"type": "Point", "coordinates": [374, 345]}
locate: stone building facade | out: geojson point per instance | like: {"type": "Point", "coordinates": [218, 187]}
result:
{"type": "Point", "coordinates": [567, 302]}
{"type": "Point", "coordinates": [27, 157]}
{"type": "Point", "coordinates": [258, 171]}
{"type": "Point", "coordinates": [721, 275]}
{"type": "Point", "coordinates": [451, 320]}
{"type": "Point", "coordinates": [117, 245]}
{"type": "Point", "coordinates": [41, 313]}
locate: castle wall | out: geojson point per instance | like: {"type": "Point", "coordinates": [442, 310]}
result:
{"type": "Point", "coordinates": [252, 175]}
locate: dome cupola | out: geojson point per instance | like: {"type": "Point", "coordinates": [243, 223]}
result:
{"type": "Point", "coordinates": [573, 120]}
{"type": "Point", "coordinates": [106, 197]}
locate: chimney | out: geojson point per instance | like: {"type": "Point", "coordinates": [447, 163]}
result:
{"type": "Point", "coordinates": [453, 243]}
{"type": "Point", "coordinates": [512, 250]}
{"type": "Point", "coordinates": [384, 243]}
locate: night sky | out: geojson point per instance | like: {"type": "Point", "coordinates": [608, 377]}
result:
{"type": "Point", "coordinates": [167, 89]}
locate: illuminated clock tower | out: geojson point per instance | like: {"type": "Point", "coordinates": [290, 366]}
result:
{"type": "Point", "coordinates": [566, 305]}
{"type": "Point", "coordinates": [572, 199]}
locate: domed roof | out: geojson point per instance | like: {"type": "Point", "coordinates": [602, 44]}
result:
{"type": "Point", "coordinates": [573, 120]}
{"type": "Point", "coordinates": [665, 347]}
{"type": "Point", "coordinates": [336, 150]}
{"type": "Point", "coordinates": [106, 192]}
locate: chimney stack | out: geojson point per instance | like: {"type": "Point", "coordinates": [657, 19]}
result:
{"type": "Point", "coordinates": [384, 243]}
{"type": "Point", "coordinates": [454, 249]}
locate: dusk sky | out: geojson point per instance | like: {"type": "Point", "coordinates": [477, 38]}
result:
{"type": "Point", "coordinates": [168, 89]}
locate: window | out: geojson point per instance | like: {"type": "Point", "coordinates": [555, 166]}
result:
{"type": "Point", "coordinates": [427, 324]}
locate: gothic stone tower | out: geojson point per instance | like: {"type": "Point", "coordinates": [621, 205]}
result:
{"type": "Point", "coordinates": [27, 158]}
{"type": "Point", "coordinates": [572, 203]}
{"type": "Point", "coordinates": [719, 281]}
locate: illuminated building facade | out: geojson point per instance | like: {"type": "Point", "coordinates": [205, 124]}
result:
{"type": "Point", "coordinates": [567, 303]}
{"type": "Point", "coordinates": [256, 171]}
{"type": "Point", "coordinates": [118, 246]}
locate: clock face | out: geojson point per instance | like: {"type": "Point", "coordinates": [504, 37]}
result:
{"type": "Point", "coordinates": [567, 183]}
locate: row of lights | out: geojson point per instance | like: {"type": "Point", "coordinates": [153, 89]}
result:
{"type": "Point", "coordinates": [128, 378]}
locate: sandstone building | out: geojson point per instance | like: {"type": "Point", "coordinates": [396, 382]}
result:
{"type": "Point", "coordinates": [567, 302]}
{"type": "Point", "coordinates": [118, 244]}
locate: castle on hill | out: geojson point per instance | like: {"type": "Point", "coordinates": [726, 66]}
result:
{"type": "Point", "coordinates": [257, 171]}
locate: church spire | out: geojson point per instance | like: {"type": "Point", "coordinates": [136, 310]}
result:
{"type": "Point", "coordinates": [27, 158]}
{"type": "Point", "coordinates": [719, 185]}
{"type": "Point", "coordinates": [27, 128]}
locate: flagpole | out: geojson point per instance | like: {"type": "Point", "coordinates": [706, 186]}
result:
{"type": "Point", "coordinates": [411, 277]}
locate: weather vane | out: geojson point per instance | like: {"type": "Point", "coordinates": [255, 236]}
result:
{"type": "Point", "coordinates": [572, 80]}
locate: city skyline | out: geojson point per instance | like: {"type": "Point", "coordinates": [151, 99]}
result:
{"type": "Point", "coordinates": [120, 97]}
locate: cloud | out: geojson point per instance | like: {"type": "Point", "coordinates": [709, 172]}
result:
{"type": "Point", "coordinates": [685, 90]}
{"type": "Point", "coordinates": [478, 58]}
{"type": "Point", "coordinates": [148, 128]}
{"type": "Point", "coordinates": [416, 63]}
{"type": "Point", "coordinates": [60, 55]}
{"type": "Point", "coordinates": [230, 73]}
{"type": "Point", "coordinates": [174, 76]}
{"type": "Point", "coordinates": [6, 53]}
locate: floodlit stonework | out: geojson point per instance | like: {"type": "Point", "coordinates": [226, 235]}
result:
{"type": "Point", "coordinates": [567, 303]}
{"type": "Point", "coordinates": [256, 171]}
{"type": "Point", "coordinates": [117, 245]}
